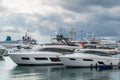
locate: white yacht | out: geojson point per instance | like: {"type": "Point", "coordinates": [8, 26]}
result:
{"type": "Point", "coordinates": [88, 58]}
{"type": "Point", "coordinates": [44, 55]}
{"type": "Point", "coordinates": [47, 54]}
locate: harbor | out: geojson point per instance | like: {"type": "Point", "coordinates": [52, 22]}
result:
{"type": "Point", "coordinates": [25, 61]}
{"type": "Point", "coordinates": [59, 40]}
{"type": "Point", "coordinates": [10, 71]}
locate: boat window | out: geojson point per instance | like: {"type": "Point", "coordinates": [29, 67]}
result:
{"type": "Point", "coordinates": [93, 42]}
{"type": "Point", "coordinates": [87, 59]}
{"type": "Point", "coordinates": [100, 53]}
{"type": "Point", "coordinates": [90, 52]}
{"type": "Point", "coordinates": [73, 59]}
{"type": "Point", "coordinates": [100, 62]}
{"type": "Point", "coordinates": [55, 59]}
{"type": "Point", "coordinates": [57, 50]}
{"type": "Point", "coordinates": [40, 58]}
{"type": "Point", "coordinates": [25, 58]}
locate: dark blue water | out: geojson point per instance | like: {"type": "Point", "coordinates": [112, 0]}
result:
{"type": "Point", "coordinates": [10, 71]}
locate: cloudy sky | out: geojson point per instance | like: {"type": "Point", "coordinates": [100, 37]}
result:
{"type": "Point", "coordinates": [43, 18]}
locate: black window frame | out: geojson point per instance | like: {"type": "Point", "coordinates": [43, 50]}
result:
{"type": "Point", "coordinates": [25, 58]}
{"type": "Point", "coordinates": [40, 58]}
{"type": "Point", "coordinates": [73, 59]}
{"type": "Point", "coordinates": [100, 53]}
{"type": "Point", "coordinates": [87, 59]}
{"type": "Point", "coordinates": [53, 59]}
{"type": "Point", "coordinates": [59, 50]}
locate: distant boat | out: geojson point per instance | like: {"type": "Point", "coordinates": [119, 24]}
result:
{"type": "Point", "coordinates": [25, 41]}
{"type": "Point", "coordinates": [2, 51]}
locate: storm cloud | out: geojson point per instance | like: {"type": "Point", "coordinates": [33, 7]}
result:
{"type": "Point", "coordinates": [44, 18]}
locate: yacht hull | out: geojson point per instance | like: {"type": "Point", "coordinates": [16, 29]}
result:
{"type": "Point", "coordinates": [84, 60]}
{"type": "Point", "coordinates": [35, 58]}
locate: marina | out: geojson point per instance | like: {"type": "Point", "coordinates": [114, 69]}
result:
{"type": "Point", "coordinates": [32, 64]}
{"type": "Point", "coordinates": [59, 40]}
{"type": "Point", "coordinates": [62, 59]}
{"type": "Point", "coordinates": [66, 51]}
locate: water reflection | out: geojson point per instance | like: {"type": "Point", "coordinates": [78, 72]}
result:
{"type": "Point", "coordinates": [84, 74]}
{"type": "Point", "coordinates": [62, 73]}
{"type": "Point", "coordinates": [10, 71]}
{"type": "Point", "coordinates": [6, 66]}
{"type": "Point", "coordinates": [37, 72]}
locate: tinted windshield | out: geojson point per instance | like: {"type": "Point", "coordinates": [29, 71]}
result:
{"type": "Point", "coordinates": [56, 50]}
{"type": "Point", "coordinates": [100, 53]}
